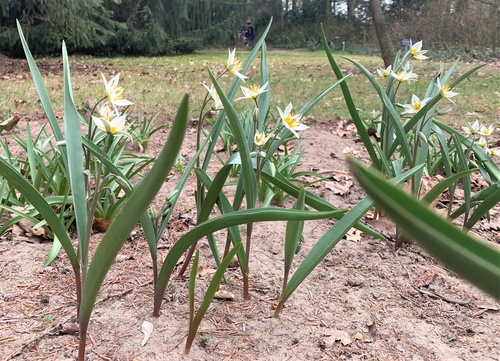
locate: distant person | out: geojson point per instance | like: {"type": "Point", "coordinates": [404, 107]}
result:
{"type": "Point", "coordinates": [250, 33]}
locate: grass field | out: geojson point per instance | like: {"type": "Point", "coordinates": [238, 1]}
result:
{"type": "Point", "coordinates": [157, 84]}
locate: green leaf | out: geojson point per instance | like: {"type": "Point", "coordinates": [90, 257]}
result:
{"type": "Point", "coordinates": [42, 91]}
{"type": "Point", "coordinates": [194, 323]}
{"type": "Point", "coordinates": [54, 251]}
{"type": "Point", "coordinates": [358, 122]}
{"type": "Point", "coordinates": [397, 127]}
{"type": "Point", "coordinates": [443, 185]}
{"type": "Point", "coordinates": [221, 222]}
{"type": "Point", "coordinates": [470, 258]}
{"type": "Point", "coordinates": [466, 182]}
{"type": "Point", "coordinates": [324, 245]}
{"type": "Point", "coordinates": [247, 171]}
{"type": "Point", "coordinates": [42, 206]}
{"type": "Point", "coordinates": [486, 205]}
{"type": "Point", "coordinates": [130, 214]}
{"type": "Point", "coordinates": [292, 236]}
{"type": "Point", "coordinates": [479, 153]}
{"type": "Point", "coordinates": [75, 161]}
{"type": "Point", "coordinates": [214, 133]}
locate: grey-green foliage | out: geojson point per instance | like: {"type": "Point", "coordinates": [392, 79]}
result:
{"type": "Point", "coordinates": [82, 24]}
{"type": "Point", "coordinates": [152, 27]}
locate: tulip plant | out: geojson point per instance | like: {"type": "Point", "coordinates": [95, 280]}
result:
{"type": "Point", "coordinates": [93, 161]}
{"type": "Point", "coordinates": [472, 259]}
{"type": "Point", "coordinates": [95, 164]}
{"type": "Point", "coordinates": [89, 274]}
{"type": "Point", "coordinates": [257, 140]}
{"type": "Point", "coordinates": [402, 140]}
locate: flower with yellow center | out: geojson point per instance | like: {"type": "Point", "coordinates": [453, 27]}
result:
{"type": "Point", "coordinates": [417, 52]}
{"type": "Point", "coordinates": [415, 105]}
{"type": "Point", "coordinates": [493, 152]}
{"type": "Point", "coordinates": [110, 122]}
{"type": "Point", "coordinates": [473, 128]}
{"type": "Point", "coordinates": [482, 142]}
{"type": "Point", "coordinates": [486, 130]}
{"type": "Point", "coordinates": [234, 66]}
{"type": "Point", "coordinates": [403, 75]}
{"type": "Point", "coordinates": [385, 72]}
{"type": "Point", "coordinates": [260, 139]}
{"type": "Point", "coordinates": [445, 90]}
{"type": "Point", "coordinates": [292, 121]}
{"type": "Point", "coordinates": [253, 91]}
{"type": "Point", "coordinates": [114, 92]}
{"type": "Point", "coordinates": [215, 96]}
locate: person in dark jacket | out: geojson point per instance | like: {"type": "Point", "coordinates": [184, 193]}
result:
{"type": "Point", "coordinates": [250, 33]}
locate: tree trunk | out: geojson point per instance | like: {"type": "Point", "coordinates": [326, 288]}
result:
{"type": "Point", "coordinates": [278, 12]}
{"type": "Point", "coordinates": [325, 9]}
{"type": "Point", "coordinates": [383, 35]}
{"type": "Point", "coordinates": [351, 5]}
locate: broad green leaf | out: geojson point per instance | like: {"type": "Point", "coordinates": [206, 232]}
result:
{"type": "Point", "coordinates": [440, 187]}
{"type": "Point", "coordinates": [42, 91]}
{"type": "Point", "coordinates": [130, 214]}
{"type": "Point", "coordinates": [471, 259]}
{"type": "Point", "coordinates": [293, 235]}
{"type": "Point", "coordinates": [324, 245]}
{"type": "Point", "coordinates": [54, 251]}
{"type": "Point", "coordinates": [247, 172]}
{"type": "Point", "coordinates": [75, 162]}
{"type": "Point", "coordinates": [478, 198]}
{"type": "Point", "coordinates": [45, 210]}
{"type": "Point", "coordinates": [483, 209]}
{"type": "Point", "coordinates": [214, 133]}
{"type": "Point", "coordinates": [225, 221]}
{"type": "Point", "coordinates": [466, 182]}
{"type": "Point", "coordinates": [358, 122]}
{"type": "Point", "coordinates": [397, 127]}
{"type": "Point", "coordinates": [479, 153]}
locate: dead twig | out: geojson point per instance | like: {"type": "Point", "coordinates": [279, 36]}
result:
{"type": "Point", "coordinates": [444, 298]}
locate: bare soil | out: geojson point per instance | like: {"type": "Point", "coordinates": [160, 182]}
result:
{"type": "Point", "coordinates": [363, 302]}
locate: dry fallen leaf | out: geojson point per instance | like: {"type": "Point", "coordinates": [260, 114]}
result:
{"type": "Point", "coordinates": [203, 271]}
{"type": "Point", "coordinates": [340, 188]}
{"type": "Point", "coordinates": [9, 124]}
{"type": "Point", "coordinates": [101, 225]}
{"type": "Point", "coordinates": [357, 336]}
{"type": "Point", "coordinates": [354, 235]}
{"type": "Point", "coordinates": [147, 329]}
{"type": "Point", "coordinates": [426, 277]}
{"type": "Point", "coordinates": [224, 295]}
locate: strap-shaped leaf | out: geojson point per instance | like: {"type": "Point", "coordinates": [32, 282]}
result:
{"type": "Point", "coordinates": [470, 258]}
{"type": "Point", "coordinates": [130, 214]}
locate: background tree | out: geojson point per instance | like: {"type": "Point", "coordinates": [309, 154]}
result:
{"type": "Point", "coordinates": [152, 27]}
{"type": "Point", "coordinates": [383, 34]}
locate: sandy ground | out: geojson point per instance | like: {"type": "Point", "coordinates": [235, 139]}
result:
{"type": "Point", "coordinates": [363, 302]}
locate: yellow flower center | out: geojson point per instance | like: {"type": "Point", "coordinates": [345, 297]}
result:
{"type": "Point", "coordinates": [417, 106]}
{"type": "Point", "coordinates": [260, 138]}
{"type": "Point", "coordinates": [234, 66]}
{"type": "Point", "coordinates": [291, 120]}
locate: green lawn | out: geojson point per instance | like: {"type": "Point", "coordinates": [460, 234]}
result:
{"type": "Point", "coordinates": [157, 84]}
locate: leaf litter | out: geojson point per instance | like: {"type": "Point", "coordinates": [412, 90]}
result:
{"type": "Point", "coordinates": [383, 317]}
